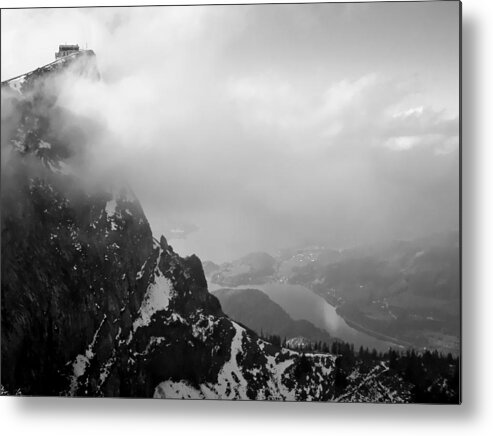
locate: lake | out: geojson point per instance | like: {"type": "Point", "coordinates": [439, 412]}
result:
{"type": "Point", "coordinates": [302, 303]}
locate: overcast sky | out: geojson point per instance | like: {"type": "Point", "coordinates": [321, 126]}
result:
{"type": "Point", "coordinates": [269, 126]}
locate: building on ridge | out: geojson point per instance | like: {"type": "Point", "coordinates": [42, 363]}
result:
{"type": "Point", "coordinates": [65, 50]}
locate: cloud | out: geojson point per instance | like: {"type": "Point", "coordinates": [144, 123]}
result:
{"type": "Point", "coordinates": [345, 111]}
{"type": "Point", "coordinates": [265, 127]}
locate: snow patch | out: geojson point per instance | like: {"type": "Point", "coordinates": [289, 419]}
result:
{"type": "Point", "coordinates": [226, 379]}
{"type": "Point", "coordinates": [44, 144]}
{"type": "Point", "coordinates": [60, 167]}
{"type": "Point", "coordinates": [82, 361]}
{"type": "Point", "coordinates": [16, 84]}
{"type": "Point", "coordinates": [157, 298]}
{"type": "Point", "coordinates": [141, 272]}
{"type": "Point", "coordinates": [201, 332]}
{"type": "Point", "coordinates": [111, 207]}
{"type": "Point", "coordinates": [177, 390]}
{"type": "Point", "coordinates": [231, 383]}
{"type": "Point", "coordinates": [65, 169]}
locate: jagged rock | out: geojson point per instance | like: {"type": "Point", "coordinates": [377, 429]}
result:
{"type": "Point", "coordinates": [163, 242]}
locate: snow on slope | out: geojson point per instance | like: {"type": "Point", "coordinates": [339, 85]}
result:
{"type": "Point", "coordinates": [178, 390]}
{"type": "Point", "coordinates": [82, 361]}
{"type": "Point", "coordinates": [231, 383]}
{"type": "Point", "coordinates": [232, 378]}
{"type": "Point", "coordinates": [16, 82]}
{"type": "Point", "coordinates": [156, 299]}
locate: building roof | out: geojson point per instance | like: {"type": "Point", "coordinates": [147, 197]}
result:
{"type": "Point", "coordinates": [64, 47]}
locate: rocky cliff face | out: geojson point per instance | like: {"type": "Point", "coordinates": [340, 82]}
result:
{"type": "Point", "coordinates": [93, 305]}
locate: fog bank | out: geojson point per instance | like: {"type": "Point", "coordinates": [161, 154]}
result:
{"type": "Point", "coordinates": [262, 127]}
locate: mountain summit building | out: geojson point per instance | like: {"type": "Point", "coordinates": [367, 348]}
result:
{"type": "Point", "coordinates": [65, 50]}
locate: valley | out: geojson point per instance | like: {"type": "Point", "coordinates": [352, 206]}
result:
{"type": "Point", "coordinates": [303, 304]}
{"type": "Point", "coordinates": [404, 294]}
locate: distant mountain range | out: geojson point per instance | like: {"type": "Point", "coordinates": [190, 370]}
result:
{"type": "Point", "coordinates": [408, 291]}
{"type": "Point", "coordinates": [252, 269]}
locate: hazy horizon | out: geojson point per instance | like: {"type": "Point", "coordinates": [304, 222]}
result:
{"type": "Point", "coordinates": [261, 127]}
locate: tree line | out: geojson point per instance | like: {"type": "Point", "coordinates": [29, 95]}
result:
{"type": "Point", "coordinates": [433, 377]}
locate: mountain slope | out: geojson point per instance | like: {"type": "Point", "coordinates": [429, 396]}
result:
{"type": "Point", "coordinates": [256, 310]}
